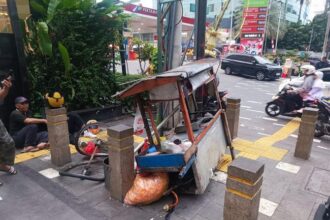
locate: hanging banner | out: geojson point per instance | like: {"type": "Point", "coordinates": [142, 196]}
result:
{"type": "Point", "coordinates": [254, 25]}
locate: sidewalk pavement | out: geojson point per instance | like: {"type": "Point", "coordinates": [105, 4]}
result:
{"type": "Point", "coordinates": [292, 189]}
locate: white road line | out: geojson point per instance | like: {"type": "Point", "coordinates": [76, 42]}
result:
{"type": "Point", "coordinates": [50, 173]}
{"type": "Point", "coordinates": [314, 140]}
{"type": "Point", "coordinates": [267, 207]}
{"type": "Point", "coordinates": [277, 124]}
{"type": "Point", "coordinates": [249, 119]}
{"type": "Point", "coordinates": [242, 125]}
{"type": "Point", "coordinates": [251, 110]}
{"type": "Point", "coordinates": [263, 134]}
{"type": "Point", "coordinates": [324, 148]}
{"type": "Point", "coordinates": [0, 198]}
{"type": "Point", "coordinates": [269, 94]}
{"type": "Point", "coordinates": [288, 167]}
{"type": "Point", "coordinates": [269, 119]}
{"type": "Point", "coordinates": [255, 102]}
{"type": "Point", "coordinates": [245, 106]}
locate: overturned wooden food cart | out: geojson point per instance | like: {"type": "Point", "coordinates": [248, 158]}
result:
{"type": "Point", "coordinates": [194, 144]}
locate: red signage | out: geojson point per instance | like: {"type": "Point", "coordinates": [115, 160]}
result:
{"type": "Point", "coordinates": [252, 23]}
{"type": "Point", "coordinates": [137, 9]}
{"type": "Point", "coordinates": [253, 29]}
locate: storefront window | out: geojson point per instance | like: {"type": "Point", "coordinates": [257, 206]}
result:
{"type": "Point", "coordinates": [5, 26]}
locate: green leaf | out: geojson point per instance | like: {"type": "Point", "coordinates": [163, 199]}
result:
{"type": "Point", "coordinates": [38, 8]}
{"type": "Point", "coordinates": [65, 57]}
{"type": "Point", "coordinates": [52, 6]}
{"type": "Point", "coordinates": [44, 41]}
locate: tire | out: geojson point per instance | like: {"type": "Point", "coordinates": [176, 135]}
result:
{"type": "Point", "coordinates": [318, 129]}
{"type": "Point", "coordinates": [260, 76]}
{"type": "Point", "coordinates": [228, 70]}
{"type": "Point", "coordinates": [273, 109]}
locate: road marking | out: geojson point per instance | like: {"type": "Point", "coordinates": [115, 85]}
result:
{"type": "Point", "coordinates": [244, 106]}
{"type": "Point", "coordinates": [220, 177]}
{"type": "Point", "coordinates": [314, 140]}
{"type": "Point", "coordinates": [263, 134]}
{"type": "Point", "coordinates": [255, 102]}
{"type": "Point", "coordinates": [249, 119]}
{"type": "Point", "coordinates": [50, 173]}
{"type": "Point", "coordinates": [294, 135]}
{"type": "Point", "coordinates": [251, 110]}
{"type": "Point", "coordinates": [324, 148]}
{"type": "Point", "coordinates": [269, 94]}
{"type": "Point", "coordinates": [277, 124]}
{"type": "Point", "coordinates": [269, 119]}
{"type": "Point", "coordinates": [267, 207]}
{"type": "Point", "coordinates": [288, 167]}
{"type": "Point", "coordinates": [242, 125]}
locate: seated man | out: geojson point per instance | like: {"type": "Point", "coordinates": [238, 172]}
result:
{"type": "Point", "coordinates": [24, 129]}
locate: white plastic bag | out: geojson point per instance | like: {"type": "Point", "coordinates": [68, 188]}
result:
{"type": "Point", "coordinates": [138, 125]}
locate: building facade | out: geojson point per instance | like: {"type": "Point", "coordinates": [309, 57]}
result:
{"type": "Point", "coordinates": [214, 6]}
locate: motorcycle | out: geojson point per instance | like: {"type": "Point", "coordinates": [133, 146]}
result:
{"type": "Point", "coordinates": [322, 126]}
{"type": "Point", "coordinates": [283, 104]}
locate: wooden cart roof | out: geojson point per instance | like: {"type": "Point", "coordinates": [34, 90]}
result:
{"type": "Point", "coordinates": [183, 72]}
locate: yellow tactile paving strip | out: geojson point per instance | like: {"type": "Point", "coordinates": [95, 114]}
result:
{"type": "Point", "coordinates": [30, 155]}
{"type": "Point", "coordinates": [263, 147]}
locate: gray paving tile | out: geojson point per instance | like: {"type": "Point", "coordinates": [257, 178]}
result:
{"type": "Point", "coordinates": [211, 211]}
{"type": "Point", "coordinates": [296, 204]}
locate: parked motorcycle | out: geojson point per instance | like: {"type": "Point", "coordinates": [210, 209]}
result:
{"type": "Point", "coordinates": [283, 104]}
{"type": "Point", "coordinates": [323, 122]}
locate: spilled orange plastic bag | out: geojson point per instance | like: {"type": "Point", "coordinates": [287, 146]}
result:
{"type": "Point", "coordinates": [147, 189]}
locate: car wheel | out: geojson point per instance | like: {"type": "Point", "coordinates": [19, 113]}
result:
{"type": "Point", "coordinates": [227, 70]}
{"type": "Point", "coordinates": [260, 76]}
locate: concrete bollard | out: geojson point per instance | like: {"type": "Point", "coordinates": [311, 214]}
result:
{"type": "Point", "coordinates": [243, 189]}
{"type": "Point", "coordinates": [58, 136]}
{"type": "Point", "coordinates": [121, 161]}
{"type": "Point", "coordinates": [232, 112]}
{"type": "Point", "coordinates": [306, 133]}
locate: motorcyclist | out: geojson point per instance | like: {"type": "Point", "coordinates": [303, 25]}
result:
{"type": "Point", "coordinates": [299, 94]}
{"type": "Point", "coordinates": [317, 89]}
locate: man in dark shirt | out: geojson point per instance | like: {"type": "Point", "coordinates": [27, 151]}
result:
{"type": "Point", "coordinates": [24, 129]}
{"type": "Point", "coordinates": [322, 64]}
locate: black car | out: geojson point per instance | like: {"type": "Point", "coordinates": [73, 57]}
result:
{"type": "Point", "coordinates": [251, 65]}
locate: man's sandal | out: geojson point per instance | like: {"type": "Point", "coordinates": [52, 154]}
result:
{"type": "Point", "coordinates": [11, 170]}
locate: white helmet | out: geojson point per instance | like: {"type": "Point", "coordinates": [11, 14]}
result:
{"type": "Point", "coordinates": [310, 69]}
{"type": "Point", "coordinates": [319, 74]}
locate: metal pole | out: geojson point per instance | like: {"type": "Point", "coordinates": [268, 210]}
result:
{"type": "Point", "coordinates": [278, 27]}
{"type": "Point", "coordinates": [311, 38]}
{"type": "Point", "coordinates": [160, 38]}
{"type": "Point", "coordinates": [267, 22]}
{"type": "Point", "coordinates": [200, 20]}
{"type": "Point", "coordinates": [231, 21]}
{"type": "Point", "coordinates": [326, 36]}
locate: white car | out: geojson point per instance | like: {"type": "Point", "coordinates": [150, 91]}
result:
{"type": "Point", "coordinates": [299, 80]}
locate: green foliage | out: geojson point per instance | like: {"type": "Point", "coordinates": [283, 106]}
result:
{"type": "Point", "coordinates": [68, 50]}
{"type": "Point", "coordinates": [145, 51]}
{"type": "Point", "coordinates": [299, 36]}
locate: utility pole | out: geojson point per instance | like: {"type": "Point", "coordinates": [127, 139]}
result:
{"type": "Point", "coordinates": [278, 27]}
{"type": "Point", "coordinates": [231, 21]}
{"type": "Point", "coordinates": [200, 20]}
{"type": "Point", "coordinates": [326, 37]}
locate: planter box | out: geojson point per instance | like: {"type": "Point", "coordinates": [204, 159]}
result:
{"type": "Point", "coordinates": [100, 114]}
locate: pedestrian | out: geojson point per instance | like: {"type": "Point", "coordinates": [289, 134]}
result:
{"type": "Point", "coordinates": [277, 61]}
{"type": "Point", "coordinates": [322, 64]}
{"type": "Point", "coordinates": [7, 145]}
{"type": "Point", "coordinates": [24, 128]}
